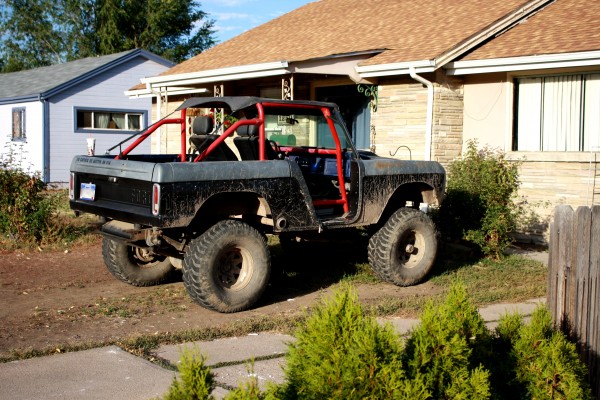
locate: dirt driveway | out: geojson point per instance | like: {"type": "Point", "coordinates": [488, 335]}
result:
{"type": "Point", "coordinates": [50, 299]}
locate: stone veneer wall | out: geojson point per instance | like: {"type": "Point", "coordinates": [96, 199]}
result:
{"type": "Point", "coordinates": [447, 118]}
{"type": "Point", "coordinates": [553, 178]}
{"type": "Point", "coordinates": [401, 119]}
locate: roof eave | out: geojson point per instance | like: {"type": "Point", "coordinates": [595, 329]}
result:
{"type": "Point", "coordinates": [401, 68]}
{"type": "Point", "coordinates": [21, 99]}
{"type": "Point", "coordinates": [220, 74]}
{"type": "Point", "coordinates": [99, 70]}
{"type": "Point", "coordinates": [147, 92]}
{"type": "Point", "coordinates": [524, 63]}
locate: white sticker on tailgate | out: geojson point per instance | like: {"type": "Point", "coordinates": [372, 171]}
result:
{"type": "Point", "coordinates": [88, 191]}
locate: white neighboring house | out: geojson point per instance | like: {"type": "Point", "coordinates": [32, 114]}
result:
{"type": "Point", "coordinates": [47, 113]}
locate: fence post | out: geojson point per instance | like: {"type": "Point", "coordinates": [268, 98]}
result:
{"type": "Point", "coordinates": [594, 293]}
{"type": "Point", "coordinates": [560, 262]}
{"type": "Point", "coordinates": [574, 281]}
{"type": "Point", "coordinates": [579, 311]}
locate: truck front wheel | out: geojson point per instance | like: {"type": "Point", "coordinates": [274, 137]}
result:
{"type": "Point", "coordinates": [134, 265]}
{"type": "Point", "coordinates": [227, 268]}
{"type": "Point", "coordinates": [403, 250]}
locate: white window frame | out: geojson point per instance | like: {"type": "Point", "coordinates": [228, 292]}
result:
{"type": "Point", "coordinates": [558, 113]}
{"type": "Point", "coordinates": [94, 112]}
{"type": "Point", "coordinates": [18, 132]}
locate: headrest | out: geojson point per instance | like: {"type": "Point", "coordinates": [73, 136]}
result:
{"type": "Point", "coordinates": [202, 125]}
{"type": "Point", "coordinates": [247, 130]}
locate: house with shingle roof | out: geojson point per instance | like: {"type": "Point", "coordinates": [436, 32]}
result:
{"type": "Point", "coordinates": [48, 113]}
{"type": "Point", "coordinates": [417, 79]}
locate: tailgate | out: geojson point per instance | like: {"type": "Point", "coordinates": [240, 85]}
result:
{"type": "Point", "coordinates": [116, 189]}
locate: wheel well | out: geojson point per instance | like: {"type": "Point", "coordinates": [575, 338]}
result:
{"type": "Point", "coordinates": [408, 195]}
{"type": "Point", "coordinates": [241, 205]}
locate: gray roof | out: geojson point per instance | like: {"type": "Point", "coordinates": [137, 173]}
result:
{"type": "Point", "coordinates": [44, 82]}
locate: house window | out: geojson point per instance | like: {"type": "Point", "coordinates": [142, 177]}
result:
{"type": "Point", "coordinates": [18, 124]}
{"type": "Point", "coordinates": [557, 113]}
{"type": "Point", "coordinates": [108, 120]}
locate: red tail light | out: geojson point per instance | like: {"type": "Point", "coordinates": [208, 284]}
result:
{"type": "Point", "coordinates": [72, 186]}
{"type": "Point", "coordinates": [155, 199]}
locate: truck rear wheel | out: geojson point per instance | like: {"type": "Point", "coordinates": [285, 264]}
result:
{"type": "Point", "coordinates": [134, 265]}
{"type": "Point", "coordinates": [227, 268]}
{"type": "Point", "coordinates": [403, 250]}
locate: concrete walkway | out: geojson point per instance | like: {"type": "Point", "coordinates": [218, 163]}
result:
{"type": "Point", "coordinates": [111, 373]}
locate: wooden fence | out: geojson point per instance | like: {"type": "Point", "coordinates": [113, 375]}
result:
{"type": "Point", "coordinates": [574, 281]}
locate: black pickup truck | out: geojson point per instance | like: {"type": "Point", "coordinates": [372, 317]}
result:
{"type": "Point", "coordinates": [281, 167]}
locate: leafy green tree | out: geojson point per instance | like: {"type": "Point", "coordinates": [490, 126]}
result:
{"type": "Point", "coordinates": [35, 33]}
{"type": "Point", "coordinates": [27, 34]}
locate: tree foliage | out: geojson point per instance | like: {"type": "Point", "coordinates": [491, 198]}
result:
{"type": "Point", "coordinates": [35, 33]}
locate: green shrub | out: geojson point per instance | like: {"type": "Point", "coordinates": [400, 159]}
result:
{"type": "Point", "coordinates": [197, 382]}
{"type": "Point", "coordinates": [479, 205]}
{"type": "Point", "coordinates": [442, 350]}
{"type": "Point", "coordinates": [250, 390]}
{"type": "Point", "coordinates": [500, 360]}
{"type": "Point", "coordinates": [31, 213]}
{"type": "Point", "coordinates": [25, 213]}
{"type": "Point", "coordinates": [342, 354]}
{"type": "Point", "coordinates": [547, 364]}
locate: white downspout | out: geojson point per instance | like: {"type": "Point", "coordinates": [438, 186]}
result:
{"type": "Point", "coordinates": [158, 116]}
{"type": "Point", "coordinates": [429, 123]}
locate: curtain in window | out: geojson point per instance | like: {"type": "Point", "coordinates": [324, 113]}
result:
{"type": "Point", "coordinates": [101, 120]}
{"type": "Point", "coordinates": [133, 122]}
{"type": "Point", "coordinates": [591, 118]}
{"type": "Point", "coordinates": [17, 131]}
{"type": "Point", "coordinates": [529, 114]}
{"type": "Point", "coordinates": [119, 121]}
{"type": "Point", "coordinates": [561, 113]}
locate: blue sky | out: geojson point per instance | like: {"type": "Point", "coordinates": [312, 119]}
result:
{"type": "Point", "coordinates": [236, 16]}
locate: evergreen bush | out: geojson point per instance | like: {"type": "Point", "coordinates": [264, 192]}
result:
{"type": "Point", "coordinates": [441, 350]}
{"type": "Point", "coordinates": [197, 382]}
{"type": "Point", "coordinates": [547, 364]}
{"type": "Point", "coordinates": [479, 206]}
{"type": "Point", "coordinates": [342, 354]}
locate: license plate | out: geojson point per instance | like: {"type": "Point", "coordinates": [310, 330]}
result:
{"type": "Point", "coordinates": [88, 191]}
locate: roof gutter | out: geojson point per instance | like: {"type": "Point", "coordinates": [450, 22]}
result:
{"type": "Point", "coordinates": [150, 91]}
{"type": "Point", "coordinates": [546, 61]}
{"type": "Point", "coordinates": [429, 122]}
{"type": "Point", "coordinates": [220, 74]}
{"type": "Point", "coordinates": [401, 68]}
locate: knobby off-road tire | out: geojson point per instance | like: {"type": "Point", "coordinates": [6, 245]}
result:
{"type": "Point", "coordinates": [404, 249]}
{"type": "Point", "coordinates": [227, 268]}
{"type": "Point", "coordinates": [134, 265]}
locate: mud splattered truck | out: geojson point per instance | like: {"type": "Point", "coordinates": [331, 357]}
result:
{"type": "Point", "coordinates": [280, 167]}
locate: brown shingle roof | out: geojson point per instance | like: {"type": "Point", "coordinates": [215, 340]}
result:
{"type": "Point", "coordinates": [566, 26]}
{"type": "Point", "coordinates": [411, 29]}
